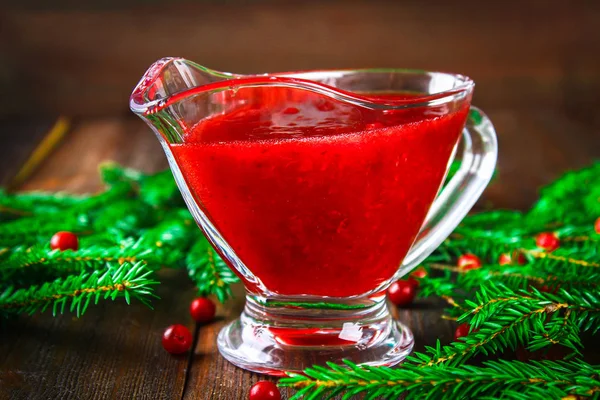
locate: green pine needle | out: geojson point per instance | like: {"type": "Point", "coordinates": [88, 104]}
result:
{"type": "Point", "coordinates": [503, 318]}
{"type": "Point", "coordinates": [35, 203]}
{"type": "Point", "coordinates": [506, 379]}
{"type": "Point", "coordinates": [38, 262]}
{"type": "Point", "coordinates": [75, 292]}
{"type": "Point", "coordinates": [139, 223]}
{"type": "Point", "coordinates": [208, 271]}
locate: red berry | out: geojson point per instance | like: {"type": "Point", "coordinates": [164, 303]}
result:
{"type": "Point", "coordinates": [419, 273]}
{"type": "Point", "coordinates": [521, 259]}
{"type": "Point", "coordinates": [597, 226]}
{"type": "Point", "coordinates": [504, 259]}
{"type": "Point", "coordinates": [469, 261]}
{"type": "Point", "coordinates": [414, 282]}
{"type": "Point", "coordinates": [264, 390]}
{"type": "Point", "coordinates": [177, 339]}
{"type": "Point", "coordinates": [461, 331]}
{"type": "Point", "coordinates": [550, 288]}
{"type": "Point", "coordinates": [64, 241]}
{"type": "Point", "coordinates": [402, 293]}
{"type": "Point", "coordinates": [202, 309]}
{"type": "Point", "coordinates": [547, 241]}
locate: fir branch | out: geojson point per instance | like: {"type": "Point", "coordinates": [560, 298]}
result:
{"type": "Point", "coordinates": [487, 248]}
{"type": "Point", "coordinates": [118, 191]}
{"type": "Point", "coordinates": [76, 218]}
{"type": "Point", "coordinates": [157, 190]}
{"type": "Point", "coordinates": [506, 379]}
{"type": "Point", "coordinates": [538, 274]}
{"type": "Point", "coordinates": [31, 231]}
{"type": "Point", "coordinates": [140, 219]}
{"type": "Point", "coordinates": [566, 200]}
{"type": "Point", "coordinates": [76, 292]}
{"type": "Point", "coordinates": [580, 239]}
{"type": "Point", "coordinates": [39, 263]}
{"type": "Point", "coordinates": [566, 259]}
{"type": "Point", "coordinates": [112, 173]}
{"type": "Point", "coordinates": [127, 215]}
{"type": "Point", "coordinates": [176, 230]}
{"type": "Point", "coordinates": [492, 219]}
{"type": "Point", "coordinates": [559, 329]}
{"type": "Point", "coordinates": [28, 204]}
{"type": "Point", "coordinates": [209, 272]}
{"type": "Point", "coordinates": [439, 286]}
{"type": "Point", "coordinates": [503, 318]}
{"type": "Point", "coordinates": [160, 190]}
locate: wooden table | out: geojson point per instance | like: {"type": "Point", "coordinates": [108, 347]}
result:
{"type": "Point", "coordinates": [114, 350]}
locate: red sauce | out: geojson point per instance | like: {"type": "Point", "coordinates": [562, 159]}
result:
{"type": "Point", "coordinates": [317, 196]}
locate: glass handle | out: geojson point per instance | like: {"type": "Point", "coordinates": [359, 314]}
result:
{"type": "Point", "coordinates": [480, 150]}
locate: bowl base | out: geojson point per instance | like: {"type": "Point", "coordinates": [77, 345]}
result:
{"type": "Point", "coordinates": [272, 347]}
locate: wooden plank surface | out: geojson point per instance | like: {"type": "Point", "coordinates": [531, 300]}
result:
{"type": "Point", "coordinates": [114, 350]}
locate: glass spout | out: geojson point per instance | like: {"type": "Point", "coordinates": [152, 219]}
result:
{"type": "Point", "coordinates": [176, 94]}
{"type": "Point", "coordinates": [158, 96]}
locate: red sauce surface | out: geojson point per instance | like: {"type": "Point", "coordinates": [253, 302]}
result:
{"type": "Point", "coordinates": [316, 196]}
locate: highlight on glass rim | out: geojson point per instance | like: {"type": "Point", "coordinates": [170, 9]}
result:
{"type": "Point", "coordinates": [300, 200]}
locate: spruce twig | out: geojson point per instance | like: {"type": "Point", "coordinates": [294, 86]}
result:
{"type": "Point", "coordinates": [506, 379]}
{"type": "Point", "coordinates": [503, 318]}
{"type": "Point", "coordinates": [76, 292]}
{"type": "Point", "coordinates": [139, 222]}
{"type": "Point", "coordinates": [209, 272]}
{"type": "Point", "coordinates": [39, 262]}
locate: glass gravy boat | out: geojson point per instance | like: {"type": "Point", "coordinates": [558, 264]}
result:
{"type": "Point", "coordinates": [319, 189]}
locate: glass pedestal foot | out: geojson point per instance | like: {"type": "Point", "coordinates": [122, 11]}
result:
{"type": "Point", "coordinates": [272, 340]}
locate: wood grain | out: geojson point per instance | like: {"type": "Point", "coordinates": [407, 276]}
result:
{"type": "Point", "coordinates": [31, 131]}
{"type": "Point", "coordinates": [74, 166]}
{"type": "Point", "coordinates": [85, 59]}
{"type": "Point", "coordinates": [114, 352]}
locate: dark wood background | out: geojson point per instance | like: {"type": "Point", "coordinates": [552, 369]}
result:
{"type": "Point", "coordinates": [537, 68]}
{"type": "Point", "coordinates": [85, 57]}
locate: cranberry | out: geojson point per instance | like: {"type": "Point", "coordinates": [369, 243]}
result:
{"type": "Point", "coordinates": [402, 293]}
{"type": "Point", "coordinates": [64, 241]}
{"type": "Point", "coordinates": [177, 339]}
{"type": "Point", "coordinates": [264, 390]}
{"type": "Point", "coordinates": [462, 330]}
{"type": "Point", "coordinates": [547, 241]}
{"type": "Point", "coordinates": [202, 310]}
{"type": "Point", "coordinates": [468, 261]}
